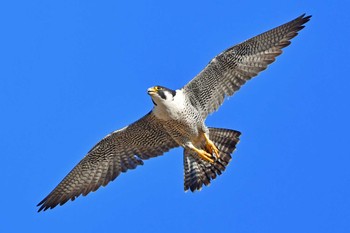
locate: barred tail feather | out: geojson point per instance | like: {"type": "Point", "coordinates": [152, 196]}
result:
{"type": "Point", "coordinates": [197, 171]}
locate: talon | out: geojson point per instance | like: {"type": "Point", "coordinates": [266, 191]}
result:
{"type": "Point", "coordinates": [211, 152]}
{"type": "Point", "coordinates": [210, 146]}
{"type": "Point", "coordinates": [204, 155]}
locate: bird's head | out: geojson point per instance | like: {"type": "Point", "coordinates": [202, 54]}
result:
{"type": "Point", "coordinates": [161, 95]}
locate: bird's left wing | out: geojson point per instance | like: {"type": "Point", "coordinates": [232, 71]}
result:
{"type": "Point", "coordinates": [228, 71]}
{"type": "Point", "coordinates": [119, 151]}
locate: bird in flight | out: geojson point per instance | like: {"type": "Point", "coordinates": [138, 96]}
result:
{"type": "Point", "coordinates": [178, 119]}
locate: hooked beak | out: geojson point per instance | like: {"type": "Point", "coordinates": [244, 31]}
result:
{"type": "Point", "coordinates": [151, 91]}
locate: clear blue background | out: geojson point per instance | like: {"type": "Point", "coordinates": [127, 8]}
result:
{"type": "Point", "coordinates": [73, 71]}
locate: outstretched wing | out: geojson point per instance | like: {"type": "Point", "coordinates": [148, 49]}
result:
{"type": "Point", "coordinates": [119, 151]}
{"type": "Point", "coordinates": [228, 71]}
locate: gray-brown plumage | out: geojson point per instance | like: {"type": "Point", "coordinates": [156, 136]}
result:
{"type": "Point", "coordinates": [198, 171]}
{"type": "Point", "coordinates": [177, 119]}
{"type": "Point", "coordinates": [228, 71]}
{"type": "Point", "coordinates": [119, 151]}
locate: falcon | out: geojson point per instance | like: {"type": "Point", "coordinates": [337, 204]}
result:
{"type": "Point", "coordinates": [178, 119]}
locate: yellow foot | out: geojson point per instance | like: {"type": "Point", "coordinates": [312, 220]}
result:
{"type": "Point", "coordinates": [204, 155]}
{"type": "Point", "coordinates": [211, 148]}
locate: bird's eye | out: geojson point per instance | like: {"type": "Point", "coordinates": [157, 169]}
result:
{"type": "Point", "coordinates": [158, 88]}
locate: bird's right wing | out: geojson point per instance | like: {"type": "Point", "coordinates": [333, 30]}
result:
{"type": "Point", "coordinates": [228, 71]}
{"type": "Point", "coordinates": [119, 151]}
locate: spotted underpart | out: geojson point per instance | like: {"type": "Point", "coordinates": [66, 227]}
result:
{"type": "Point", "coordinates": [177, 119]}
{"type": "Point", "coordinates": [228, 71]}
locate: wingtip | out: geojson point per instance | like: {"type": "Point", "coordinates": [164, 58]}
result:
{"type": "Point", "coordinates": [305, 17]}
{"type": "Point", "coordinates": [44, 205]}
{"type": "Point", "coordinates": [41, 208]}
{"type": "Point", "coordinates": [40, 205]}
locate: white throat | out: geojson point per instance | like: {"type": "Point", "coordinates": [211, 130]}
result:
{"type": "Point", "coordinates": [171, 108]}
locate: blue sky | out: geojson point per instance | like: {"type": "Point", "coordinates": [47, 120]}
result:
{"type": "Point", "coordinates": [73, 71]}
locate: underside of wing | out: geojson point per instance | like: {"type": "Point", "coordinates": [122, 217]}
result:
{"type": "Point", "coordinates": [118, 152]}
{"type": "Point", "coordinates": [228, 71]}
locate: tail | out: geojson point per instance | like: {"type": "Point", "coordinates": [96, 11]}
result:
{"type": "Point", "coordinates": [197, 171]}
